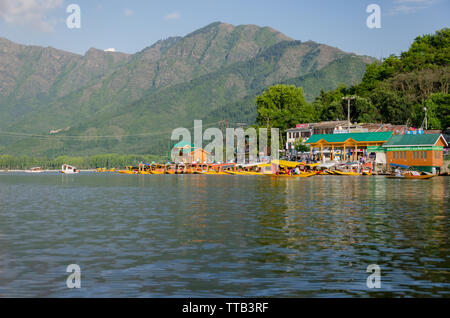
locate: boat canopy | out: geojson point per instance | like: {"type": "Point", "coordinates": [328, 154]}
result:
{"type": "Point", "coordinates": [398, 166]}
{"type": "Point", "coordinates": [288, 164]}
{"type": "Point", "coordinates": [327, 165]}
{"type": "Point", "coordinates": [248, 165]}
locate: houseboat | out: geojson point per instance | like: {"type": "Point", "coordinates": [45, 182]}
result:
{"type": "Point", "coordinates": [66, 169]}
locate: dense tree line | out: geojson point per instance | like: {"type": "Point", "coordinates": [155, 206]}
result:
{"type": "Point", "coordinates": [92, 162]}
{"type": "Point", "coordinates": [395, 91]}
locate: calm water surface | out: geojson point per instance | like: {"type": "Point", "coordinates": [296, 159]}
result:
{"type": "Point", "coordinates": [222, 236]}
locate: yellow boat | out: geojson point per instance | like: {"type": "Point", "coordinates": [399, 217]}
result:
{"type": "Point", "coordinates": [346, 173]}
{"type": "Point", "coordinates": [244, 173]}
{"type": "Point", "coordinates": [106, 170]}
{"type": "Point", "coordinates": [288, 164]}
{"type": "Point", "coordinates": [129, 170]}
{"type": "Point", "coordinates": [411, 177]}
{"type": "Point", "coordinates": [302, 175]}
{"type": "Point", "coordinates": [252, 173]}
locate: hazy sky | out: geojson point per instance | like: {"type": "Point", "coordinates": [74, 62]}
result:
{"type": "Point", "coordinates": [130, 26]}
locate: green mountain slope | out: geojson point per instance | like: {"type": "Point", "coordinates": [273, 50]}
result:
{"type": "Point", "coordinates": [210, 74]}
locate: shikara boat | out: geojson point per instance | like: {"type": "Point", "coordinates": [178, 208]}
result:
{"type": "Point", "coordinates": [129, 170]}
{"type": "Point", "coordinates": [346, 173]}
{"type": "Point", "coordinates": [410, 173]}
{"type": "Point", "coordinates": [221, 169]}
{"type": "Point", "coordinates": [301, 175]}
{"type": "Point", "coordinates": [34, 170]}
{"type": "Point", "coordinates": [411, 177]}
{"type": "Point", "coordinates": [170, 168]}
{"type": "Point", "coordinates": [106, 170]}
{"type": "Point", "coordinates": [251, 169]}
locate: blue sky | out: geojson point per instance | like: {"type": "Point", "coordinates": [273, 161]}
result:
{"type": "Point", "coordinates": [130, 26]}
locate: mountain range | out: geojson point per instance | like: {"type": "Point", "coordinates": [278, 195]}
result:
{"type": "Point", "coordinates": [54, 102]}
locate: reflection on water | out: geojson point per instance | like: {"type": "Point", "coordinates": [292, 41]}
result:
{"type": "Point", "coordinates": [157, 236]}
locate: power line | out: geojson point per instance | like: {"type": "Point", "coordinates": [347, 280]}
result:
{"type": "Point", "coordinates": [149, 134]}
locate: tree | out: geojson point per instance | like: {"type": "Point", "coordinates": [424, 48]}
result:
{"type": "Point", "coordinates": [438, 112]}
{"type": "Point", "coordinates": [364, 111]}
{"type": "Point", "coordinates": [330, 104]}
{"type": "Point", "coordinates": [300, 146]}
{"type": "Point", "coordinates": [392, 106]}
{"type": "Point", "coordinates": [283, 106]}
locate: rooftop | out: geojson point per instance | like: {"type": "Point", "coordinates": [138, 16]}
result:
{"type": "Point", "coordinates": [331, 124]}
{"type": "Point", "coordinates": [414, 140]}
{"type": "Point", "coordinates": [358, 137]}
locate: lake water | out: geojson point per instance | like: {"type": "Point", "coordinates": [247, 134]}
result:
{"type": "Point", "coordinates": [222, 236]}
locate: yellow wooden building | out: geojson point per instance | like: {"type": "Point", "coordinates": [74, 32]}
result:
{"type": "Point", "coordinates": [346, 146]}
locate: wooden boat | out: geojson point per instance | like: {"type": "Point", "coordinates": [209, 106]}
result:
{"type": "Point", "coordinates": [347, 173]}
{"type": "Point", "coordinates": [266, 169]}
{"type": "Point", "coordinates": [367, 169]}
{"type": "Point", "coordinates": [170, 169]}
{"type": "Point", "coordinates": [157, 169]}
{"type": "Point", "coordinates": [302, 175]}
{"type": "Point", "coordinates": [34, 170]}
{"type": "Point", "coordinates": [129, 170]}
{"type": "Point", "coordinates": [106, 170]}
{"type": "Point", "coordinates": [201, 168]}
{"type": "Point", "coordinates": [251, 169]}
{"type": "Point", "coordinates": [408, 173]}
{"type": "Point", "coordinates": [411, 177]}
{"type": "Point", "coordinates": [221, 169]}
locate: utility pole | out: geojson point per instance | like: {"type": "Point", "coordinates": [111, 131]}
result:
{"type": "Point", "coordinates": [425, 120]}
{"type": "Point", "coordinates": [349, 99]}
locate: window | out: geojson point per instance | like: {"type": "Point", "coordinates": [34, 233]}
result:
{"type": "Point", "coordinates": [421, 155]}
{"type": "Point", "coordinates": [425, 154]}
{"type": "Point", "coordinates": [414, 155]}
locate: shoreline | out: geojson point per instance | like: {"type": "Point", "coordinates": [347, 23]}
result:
{"type": "Point", "coordinates": [28, 171]}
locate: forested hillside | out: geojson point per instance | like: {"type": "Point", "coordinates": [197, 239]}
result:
{"type": "Point", "coordinates": [56, 103]}
{"type": "Point", "coordinates": [397, 89]}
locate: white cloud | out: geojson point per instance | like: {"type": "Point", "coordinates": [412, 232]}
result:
{"type": "Point", "coordinates": [173, 16]}
{"type": "Point", "coordinates": [110, 50]}
{"type": "Point", "coordinates": [128, 12]}
{"type": "Point", "coordinates": [32, 13]}
{"type": "Point", "coordinates": [410, 6]}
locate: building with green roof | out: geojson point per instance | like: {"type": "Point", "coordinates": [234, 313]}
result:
{"type": "Point", "coordinates": [422, 152]}
{"type": "Point", "coordinates": [348, 146]}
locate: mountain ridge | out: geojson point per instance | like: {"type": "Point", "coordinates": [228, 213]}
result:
{"type": "Point", "coordinates": [171, 82]}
